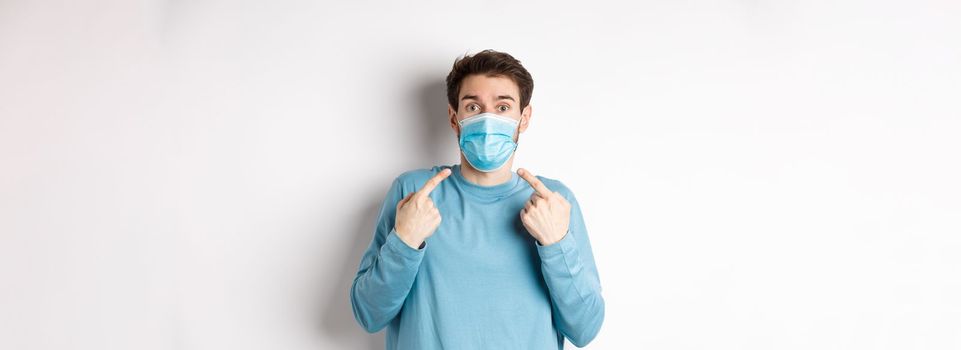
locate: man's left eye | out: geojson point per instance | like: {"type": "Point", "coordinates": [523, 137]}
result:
{"type": "Point", "coordinates": [504, 108]}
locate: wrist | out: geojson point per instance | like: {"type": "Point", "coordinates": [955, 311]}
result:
{"type": "Point", "coordinates": [555, 239]}
{"type": "Point", "coordinates": [412, 242]}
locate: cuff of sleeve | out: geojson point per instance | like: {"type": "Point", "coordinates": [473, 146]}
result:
{"type": "Point", "coordinates": [398, 246]}
{"type": "Point", "coordinates": [562, 246]}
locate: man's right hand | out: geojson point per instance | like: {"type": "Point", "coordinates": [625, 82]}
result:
{"type": "Point", "coordinates": [417, 217]}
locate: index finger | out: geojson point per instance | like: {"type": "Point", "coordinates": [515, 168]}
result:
{"type": "Point", "coordinates": [538, 186]}
{"type": "Point", "coordinates": [433, 182]}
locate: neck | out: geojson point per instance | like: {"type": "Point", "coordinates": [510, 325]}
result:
{"type": "Point", "coordinates": [478, 177]}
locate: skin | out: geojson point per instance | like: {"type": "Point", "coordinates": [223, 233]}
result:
{"type": "Point", "coordinates": [546, 215]}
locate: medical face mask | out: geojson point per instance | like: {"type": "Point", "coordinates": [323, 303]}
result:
{"type": "Point", "coordinates": [487, 140]}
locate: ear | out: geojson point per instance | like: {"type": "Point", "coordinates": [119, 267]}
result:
{"type": "Point", "coordinates": [525, 118]}
{"type": "Point", "coordinates": [452, 115]}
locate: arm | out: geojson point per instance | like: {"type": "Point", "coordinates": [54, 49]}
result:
{"type": "Point", "coordinates": [572, 279]}
{"type": "Point", "coordinates": [387, 270]}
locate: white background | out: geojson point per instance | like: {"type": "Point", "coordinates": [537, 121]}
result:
{"type": "Point", "coordinates": [206, 174]}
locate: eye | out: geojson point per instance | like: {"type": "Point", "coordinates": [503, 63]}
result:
{"type": "Point", "coordinates": [503, 108]}
{"type": "Point", "coordinates": [472, 107]}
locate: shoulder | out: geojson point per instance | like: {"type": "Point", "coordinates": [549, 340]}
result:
{"type": "Point", "coordinates": [411, 180]}
{"type": "Point", "coordinates": [557, 186]}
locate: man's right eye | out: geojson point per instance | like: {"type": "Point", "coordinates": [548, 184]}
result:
{"type": "Point", "coordinates": [472, 107]}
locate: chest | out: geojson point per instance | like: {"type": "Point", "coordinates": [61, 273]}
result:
{"type": "Point", "coordinates": [478, 239]}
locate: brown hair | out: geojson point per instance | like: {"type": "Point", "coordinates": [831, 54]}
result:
{"type": "Point", "coordinates": [491, 63]}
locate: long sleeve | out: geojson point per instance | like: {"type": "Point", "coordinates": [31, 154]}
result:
{"type": "Point", "coordinates": [572, 280]}
{"type": "Point", "coordinates": [387, 270]}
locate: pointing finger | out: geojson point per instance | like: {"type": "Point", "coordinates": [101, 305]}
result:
{"type": "Point", "coordinates": [538, 186]}
{"type": "Point", "coordinates": [433, 182]}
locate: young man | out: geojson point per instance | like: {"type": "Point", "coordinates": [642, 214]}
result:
{"type": "Point", "coordinates": [475, 256]}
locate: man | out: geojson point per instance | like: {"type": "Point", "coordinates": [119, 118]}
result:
{"type": "Point", "coordinates": [475, 256]}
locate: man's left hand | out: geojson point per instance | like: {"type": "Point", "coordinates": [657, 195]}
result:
{"type": "Point", "coordinates": [547, 214]}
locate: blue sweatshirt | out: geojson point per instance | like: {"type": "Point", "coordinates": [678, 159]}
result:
{"type": "Point", "coordinates": [481, 281]}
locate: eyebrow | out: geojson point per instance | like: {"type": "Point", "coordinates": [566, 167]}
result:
{"type": "Point", "coordinates": [501, 97]}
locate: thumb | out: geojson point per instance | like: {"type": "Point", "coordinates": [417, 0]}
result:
{"type": "Point", "coordinates": [404, 200]}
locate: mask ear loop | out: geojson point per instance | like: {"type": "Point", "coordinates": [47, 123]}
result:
{"type": "Point", "coordinates": [458, 129]}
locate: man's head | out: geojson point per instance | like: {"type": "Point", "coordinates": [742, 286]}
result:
{"type": "Point", "coordinates": [489, 81]}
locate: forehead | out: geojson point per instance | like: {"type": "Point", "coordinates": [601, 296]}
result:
{"type": "Point", "coordinates": [485, 87]}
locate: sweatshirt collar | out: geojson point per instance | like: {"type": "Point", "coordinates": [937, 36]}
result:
{"type": "Point", "coordinates": [489, 192]}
